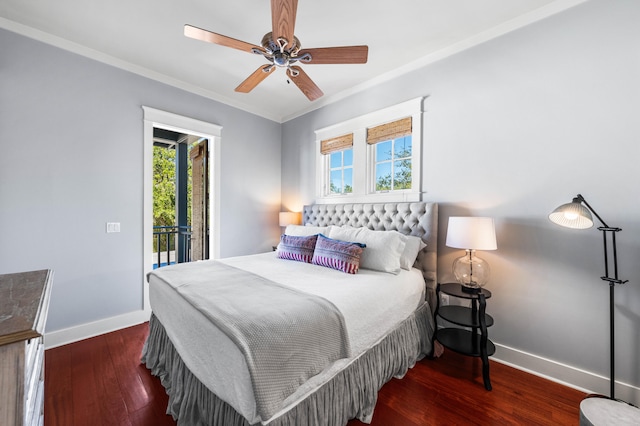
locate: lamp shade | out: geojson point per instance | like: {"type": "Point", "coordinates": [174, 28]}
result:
{"type": "Point", "coordinates": [289, 218]}
{"type": "Point", "coordinates": [474, 233]}
{"type": "Point", "coordinates": [572, 215]}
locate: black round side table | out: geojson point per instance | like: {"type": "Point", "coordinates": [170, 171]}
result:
{"type": "Point", "coordinates": [474, 342]}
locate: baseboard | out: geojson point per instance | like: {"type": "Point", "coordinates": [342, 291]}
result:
{"type": "Point", "coordinates": [564, 374]}
{"type": "Point", "coordinates": [92, 329]}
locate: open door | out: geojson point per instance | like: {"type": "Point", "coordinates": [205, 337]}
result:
{"type": "Point", "coordinates": [199, 156]}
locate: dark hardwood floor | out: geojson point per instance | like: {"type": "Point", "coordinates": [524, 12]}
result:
{"type": "Point", "coordinates": [100, 381]}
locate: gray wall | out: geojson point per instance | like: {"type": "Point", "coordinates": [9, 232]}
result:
{"type": "Point", "coordinates": [515, 127]}
{"type": "Point", "coordinates": [71, 146]}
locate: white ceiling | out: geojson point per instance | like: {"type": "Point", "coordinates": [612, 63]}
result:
{"type": "Point", "coordinates": [146, 37]}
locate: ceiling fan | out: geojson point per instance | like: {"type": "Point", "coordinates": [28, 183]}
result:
{"type": "Point", "coordinates": [282, 49]}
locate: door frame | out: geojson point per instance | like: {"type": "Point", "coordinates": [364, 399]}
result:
{"type": "Point", "coordinates": [178, 123]}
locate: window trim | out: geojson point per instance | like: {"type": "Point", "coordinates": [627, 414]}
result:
{"type": "Point", "coordinates": [363, 154]}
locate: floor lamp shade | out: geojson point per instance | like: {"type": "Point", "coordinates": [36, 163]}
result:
{"type": "Point", "coordinates": [572, 215]}
{"type": "Point", "coordinates": [471, 234]}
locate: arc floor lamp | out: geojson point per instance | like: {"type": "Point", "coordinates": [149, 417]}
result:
{"type": "Point", "coordinates": [577, 215]}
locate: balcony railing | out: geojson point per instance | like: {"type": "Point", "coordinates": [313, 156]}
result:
{"type": "Point", "coordinates": [172, 244]}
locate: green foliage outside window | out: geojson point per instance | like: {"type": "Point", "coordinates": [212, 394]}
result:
{"type": "Point", "coordinates": [402, 178]}
{"type": "Point", "coordinates": [335, 190]}
{"type": "Point", "coordinates": [393, 164]}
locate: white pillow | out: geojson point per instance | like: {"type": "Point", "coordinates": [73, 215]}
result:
{"type": "Point", "coordinates": [383, 249]}
{"type": "Point", "coordinates": [305, 231]}
{"type": "Point", "coordinates": [411, 249]}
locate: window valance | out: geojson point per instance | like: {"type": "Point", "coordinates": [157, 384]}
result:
{"type": "Point", "coordinates": [384, 132]}
{"type": "Point", "coordinates": [338, 143]}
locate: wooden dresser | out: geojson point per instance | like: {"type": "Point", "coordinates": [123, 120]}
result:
{"type": "Point", "coordinates": [24, 302]}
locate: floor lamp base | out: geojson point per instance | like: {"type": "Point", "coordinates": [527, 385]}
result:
{"type": "Point", "coordinates": [595, 411]}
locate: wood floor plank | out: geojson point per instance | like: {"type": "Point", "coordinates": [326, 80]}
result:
{"type": "Point", "coordinates": [100, 381]}
{"type": "Point", "coordinates": [96, 394]}
{"type": "Point", "coordinates": [125, 348]}
{"type": "Point", "coordinates": [58, 403]}
{"type": "Point", "coordinates": [150, 415]}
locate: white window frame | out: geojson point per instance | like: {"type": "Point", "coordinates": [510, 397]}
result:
{"type": "Point", "coordinates": [373, 163]}
{"type": "Point", "coordinates": [364, 156]}
{"type": "Point", "coordinates": [342, 168]}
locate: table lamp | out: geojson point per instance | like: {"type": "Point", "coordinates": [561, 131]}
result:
{"type": "Point", "coordinates": [289, 218]}
{"type": "Point", "coordinates": [471, 234]}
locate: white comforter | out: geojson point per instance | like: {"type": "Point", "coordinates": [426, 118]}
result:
{"type": "Point", "coordinates": [372, 304]}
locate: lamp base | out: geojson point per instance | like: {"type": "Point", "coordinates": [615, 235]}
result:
{"type": "Point", "coordinates": [472, 290]}
{"type": "Point", "coordinates": [599, 411]}
{"type": "Point", "coordinates": [471, 271]}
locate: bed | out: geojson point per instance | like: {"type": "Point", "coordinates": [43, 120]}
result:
{"type": "Point", "coordinates": [363, 328]}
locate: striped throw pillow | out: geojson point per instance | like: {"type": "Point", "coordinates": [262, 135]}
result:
{"type": "Point", "coordinates": [341, 255]}
{"type": "Point", "coordinates": [297, 248]}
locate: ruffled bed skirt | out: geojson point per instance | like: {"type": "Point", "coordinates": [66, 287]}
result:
{"type": "Point", "coordinates": [351, 393]}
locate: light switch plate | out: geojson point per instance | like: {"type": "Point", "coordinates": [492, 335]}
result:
{"type": "Point", "coordinates": [113, 227]}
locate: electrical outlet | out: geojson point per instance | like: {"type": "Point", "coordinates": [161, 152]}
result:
{"type": "Point", "coordinates": [444, 299]}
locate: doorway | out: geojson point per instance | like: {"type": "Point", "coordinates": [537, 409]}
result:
{"type": "Point", "coordinates": [180, 197]}
{"type": "Point", "coordinates": [208, 136]}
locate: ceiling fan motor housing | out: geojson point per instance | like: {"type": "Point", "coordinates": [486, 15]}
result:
{"type": "Point", "coordinates": [272, 46]}
{"type": "Point", "coordinates": [280, 51]}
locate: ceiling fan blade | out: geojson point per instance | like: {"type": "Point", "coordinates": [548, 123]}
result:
{"type": "Point", "coordinates": [283, 19]}
{"type": "Point", "coordinates": [211, 37]}
{"type": "Point", "coordinates": [304, 83]}
{"type": "Point", "coordinates": [337, 55]}
{"type": "Point", "coordinates": [254, 79]}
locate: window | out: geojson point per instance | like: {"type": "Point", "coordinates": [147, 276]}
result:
{"type": "Point", "coordinates": [338, 159]}
{"type": "Point", "coordinates": [341, 172]}
{"type": "Point", "coordinates": [372, 158]}
{"type": "Point", "coordinates": [393, 164]}
{"type": "Point", "coordinates": [392, 155]}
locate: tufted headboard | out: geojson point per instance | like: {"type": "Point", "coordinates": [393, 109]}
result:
{"type": "Point", "coordinates": [419, 219]}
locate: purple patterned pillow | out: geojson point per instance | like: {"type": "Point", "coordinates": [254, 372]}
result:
{"type": "Point", "coordinates": [341, 255]}
{"type": "Point", "coordinates": [297, 248]}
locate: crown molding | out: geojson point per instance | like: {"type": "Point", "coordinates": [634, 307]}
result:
{"type": "Point", "coordinates": [497, 31]}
